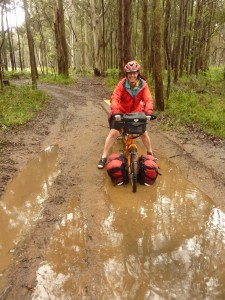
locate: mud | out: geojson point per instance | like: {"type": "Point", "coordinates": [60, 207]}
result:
{"type": "Point", "coordinates": [74, 122]}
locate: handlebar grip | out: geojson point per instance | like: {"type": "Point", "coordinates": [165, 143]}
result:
{"type": "Point", "coordinates": [118, 114]}
{"type": "Point", "coordinates": [152, 117]}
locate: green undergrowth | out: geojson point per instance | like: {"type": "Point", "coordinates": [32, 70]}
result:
{"type": "Point", "coordinates": [17, 75]}
{"type": "Point", "coordinates": [199, 102]}
{"type": "Point", "coordinates": [50, 78]}
{"type": "Point", "coordinates": [56, 79]}
{"type": "Point", "coordinates": [18, 104]}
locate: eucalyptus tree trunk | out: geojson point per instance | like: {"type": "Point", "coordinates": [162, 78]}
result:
{"type": "Point", "coordinates": [30, 39]}
{"type": "Point", "coordinates": [194, 64]}
{"type": "Point", "coordinates": [18, 40]}
{"type": "Point", "coordinates": [157, 52]}
{"type": "Point", "coordinates": [207, 33]}
{"type": "Point", "coordinates": [127, 30]}
{"type": "Point", "coordinates": [124, 29]}
{"type": "Point", "coordinates": [72, 18]}
{"type": "Point", "coordinates": [184, 38]}
{"type": "Point", "coordinates": [103, 36]}
{"type": "Point", "coordinates": [1, 46]}
{"type": "Point", "coordinates": [95, 6]}
{"type": "Point", "coordinates": [10, 43]}
{"type": "Point", "coordinates": [43, 47]}
{"type": "Point", "coordinates": [120, 37]}
{"type": "Point", "coordinates": [178, 44]}
{"type": "Point", "coordinates": [145, 35]}
{"type": "Point", "coordinates": [60, 36]}
{"type": "Point", "coordinates": [167, 45]}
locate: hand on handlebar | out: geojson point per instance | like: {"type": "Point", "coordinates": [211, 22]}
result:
{"type": "Point", "coordinates": [117, 118]}
{"type": "Point", "coordinates": [150, 117]}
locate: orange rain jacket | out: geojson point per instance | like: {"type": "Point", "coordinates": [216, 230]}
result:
{"type": "Point", "coordinates": [122, 100]}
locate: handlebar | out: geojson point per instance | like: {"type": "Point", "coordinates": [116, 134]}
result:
{"type": "Point", "coordinates": [152, 117]}
{"type": "Point", "coordinates": [119, 117]}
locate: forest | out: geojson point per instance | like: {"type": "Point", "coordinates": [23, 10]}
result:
{"type": "Point", "coordinates": [170, 39]}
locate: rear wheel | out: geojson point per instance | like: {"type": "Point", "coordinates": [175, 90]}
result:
{"type": "Point", "coordinates": [133, 175]}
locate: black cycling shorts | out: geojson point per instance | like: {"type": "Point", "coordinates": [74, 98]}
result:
{"type": "Point", "coordinates": [113, 124]}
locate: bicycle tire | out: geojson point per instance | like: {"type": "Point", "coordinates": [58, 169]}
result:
{"type": "Point", "coordinates": [133, 174]}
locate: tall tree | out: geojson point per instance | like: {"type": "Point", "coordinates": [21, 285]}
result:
{"type": "Point", "coordinates": [2, 7]}
{"type": "Point", "coordinates": [157, 53]}
{"type": "Point", "coordinates": [96, 15]}
{"type": "Point", "coordinates": [124, 28]}
{"type": "Point", "coordinates": [127, 5]}
{"type": "Point", "coordinates": [120, 37]}
{"type": "Point", "coordinates": [145, 36]}
{"type": "Point", "coordinates": [178, 42]}
{"type": "Point", "coordinates": [60, 37]}
{"type": "Point", "coordinates": [10, 43]}
{"type": "Point", "coordinates": [167, 45]}
{"type": "Point", "coordinates": [30, 39]}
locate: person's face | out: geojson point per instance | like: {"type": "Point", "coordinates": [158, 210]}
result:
{"type": "Point", "coordinates": [132, 78]}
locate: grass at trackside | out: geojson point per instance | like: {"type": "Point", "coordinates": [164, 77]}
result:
{"type": "Point", "coordinates": [59, 79]}
{"type": "Point", "coordinates": [50, 78]}
{"type": "Point", "coordinates": [18, 104]}
{"type": "Point", "coordinates": [197, 102]}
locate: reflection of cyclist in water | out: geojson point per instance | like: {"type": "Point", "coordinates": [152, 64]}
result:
{"type": "Point", "coordinates": [131, 94]}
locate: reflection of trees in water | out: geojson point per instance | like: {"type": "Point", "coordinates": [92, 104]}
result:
{"type": "Point", "coordinates": [171, 245]}
{"type": "Point", "coordinates": [66, 258]}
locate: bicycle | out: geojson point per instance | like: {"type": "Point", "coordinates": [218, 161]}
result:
{"type": "Point", "coordinates": [133, 126]}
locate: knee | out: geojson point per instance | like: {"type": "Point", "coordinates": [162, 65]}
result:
{"type": "Point", "coordinates": [113, 133]}
{"type": "Point", "coordinates": [145, 134]}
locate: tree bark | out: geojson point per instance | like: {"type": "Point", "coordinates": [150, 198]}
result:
{"type": "Point", "coordinates": [127, 30]}
{"type": "Point", "coordinates": [145, 36]}
{"type": "Point", "coordinates": [61, 46]}
{"type": "Point", "coordinates": [178, 45]}
{"type": "Point", "coordinates": [167, 45]}
{"type": "Point", "coordinates": [97, 36]}
{"type": "Point", "coordinates": [120, 37]}
{"type": "Point", "coordinates": [157, 52]}
{"type": "Point", "coordinates": [33, 65]}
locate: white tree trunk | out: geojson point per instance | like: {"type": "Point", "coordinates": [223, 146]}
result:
{"type": "Point", "coordinates": [97, 30]}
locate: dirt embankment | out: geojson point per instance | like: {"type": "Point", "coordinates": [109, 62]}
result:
{"type": "Point", "coordinates": [75, 119]}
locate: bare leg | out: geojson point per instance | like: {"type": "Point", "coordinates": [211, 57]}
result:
{"type": "Point", "coordinates": [146, 141]}
{"type": "Point", "coordinates": [113, 134]}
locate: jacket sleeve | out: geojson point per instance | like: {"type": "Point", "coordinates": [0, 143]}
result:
{"type": "Point", "coordinates": [148, 100]}
{"type": "Point", "coordinates": [116, 98]}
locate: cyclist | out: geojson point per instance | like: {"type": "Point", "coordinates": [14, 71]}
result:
{"type": "Point", "coordinates": [132, 94]}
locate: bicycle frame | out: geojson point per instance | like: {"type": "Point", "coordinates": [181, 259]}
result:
{"type": "Point", "coordinates": [128, 144]}
{"type": "Point", "coordinates": [130, 151]}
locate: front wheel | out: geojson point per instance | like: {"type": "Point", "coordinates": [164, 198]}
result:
{"type": "Point", "coordinates": [133, 173]}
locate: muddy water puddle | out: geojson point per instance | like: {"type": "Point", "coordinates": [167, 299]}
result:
{"type": "Point", "coordinates": [170, 240]}
{"type": "Point", "coordinates": [164, 242]}
{"type": "Point", "coordinates": [60, 276]}
{"type": "Point", "coordinates": [23, 201]}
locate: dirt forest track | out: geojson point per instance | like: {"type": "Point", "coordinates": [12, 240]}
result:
{"type": "Point", "coordinates": [75, 120]}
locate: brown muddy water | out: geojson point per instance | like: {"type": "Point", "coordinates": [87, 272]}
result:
{"type": "Point", "coordinates": [164, 242]}
{"type": "Point", "coordinates": [22, 203]}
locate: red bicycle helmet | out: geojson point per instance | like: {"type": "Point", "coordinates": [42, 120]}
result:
{"type": "Point", "coordinates": [132, 66]}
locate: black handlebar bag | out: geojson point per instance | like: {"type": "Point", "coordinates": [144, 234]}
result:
{"type": "Point", "coordinates": [134, 123]}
